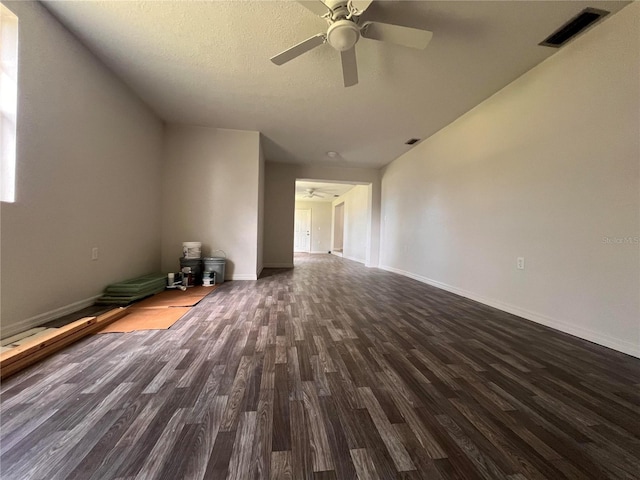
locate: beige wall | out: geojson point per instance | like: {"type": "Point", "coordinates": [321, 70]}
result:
{"type": "Point", "coordinates": [356, 222]}
{"type": "Point", "coordinates": [546, 169]}
{"type": "Point", "coordinates": [88, 175]}
{"type": "Point", "coordinates": [320, 224]}
{"type": "Point", "coordinates": [260, 240]}
{"type": "Point", "coordinates": [280, 179]}
{"type": "Point", "coordinates": [211, 195]}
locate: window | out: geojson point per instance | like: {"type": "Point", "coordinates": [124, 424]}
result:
{"type": "Point", "coordinates": [8, 102]}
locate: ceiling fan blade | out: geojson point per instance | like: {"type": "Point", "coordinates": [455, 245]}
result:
{"type": "Point", "coordinates": [317, 6]}
{"type": "Point", "coordinates": [406, 36]}
{"type": "Point", "coordinates": [349, 67]}
{"type": "Point", "coordinates": [299, 49]}
{"type": "Point", "coordinates": [361, 5]}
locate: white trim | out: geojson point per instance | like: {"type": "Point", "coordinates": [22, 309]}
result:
{"type": "Point", "coordinates": [278, 265]}
{"type": "Point", "coordinates": [337, 254]}
{"type": "Point", "coordinates": [586, 334]}
{"type": "Point", "coordinates": [243, 276]}
{"type": "Point", "coordinates": [317, 252]}
{"type": "Point", "coordinates": [38, 320]}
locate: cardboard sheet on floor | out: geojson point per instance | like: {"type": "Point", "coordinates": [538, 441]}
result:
{"type": "Point", "coordinates": [175, 298]}
{"type": "Point", "coordinates": [146, 319]}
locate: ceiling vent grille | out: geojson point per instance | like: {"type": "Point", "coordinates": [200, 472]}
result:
{"type": "Point", "coordinates": [574, 27]}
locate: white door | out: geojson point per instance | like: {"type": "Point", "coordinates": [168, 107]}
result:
{"type": "Point", "coordinates": [338, 228]}
{"type": "Point", "coordinates": [302, 231]}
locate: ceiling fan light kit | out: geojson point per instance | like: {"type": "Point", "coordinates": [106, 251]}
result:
{"type": "Point", "coordinates": [343, 35]}
{"type": "Point", "coordinates": [344, 32]}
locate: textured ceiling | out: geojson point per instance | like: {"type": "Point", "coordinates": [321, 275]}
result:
{"type": "Point", "coordinates": [329, 191]}
{"type": "Point", "coordinates": [207, 63]}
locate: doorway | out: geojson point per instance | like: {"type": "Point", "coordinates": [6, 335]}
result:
{"type": "Point", "coordinates": [302, 231]}
{"type": "Point", "coordinates": [338, 228]}
{"type": "Point", "coordinates": [342, 219]}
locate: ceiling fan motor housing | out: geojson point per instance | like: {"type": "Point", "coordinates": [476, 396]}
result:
{"type": "Point", "coordinates": [337, 6]}
{"type": "Point", "coordinates": [343, 35]}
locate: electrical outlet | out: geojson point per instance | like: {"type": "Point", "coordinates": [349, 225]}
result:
{"type": "Point", "coordinates": [520, 263]}
{"type": "Point", "coordinates": [94, 253]}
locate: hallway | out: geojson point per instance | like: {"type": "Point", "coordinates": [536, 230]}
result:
{"type": "Point", "coordinates": [327, 371]}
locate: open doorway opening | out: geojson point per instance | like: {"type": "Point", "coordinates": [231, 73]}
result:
{"type": "Point", "coordinates": [333, 217]}
{"type": "Point", "coordinates": [313, 221]}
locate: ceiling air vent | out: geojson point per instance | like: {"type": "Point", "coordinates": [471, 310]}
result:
{"type": "Point", "coordinates": [411, 141]}
{"type": "Point", "coordinates": [573, 27]}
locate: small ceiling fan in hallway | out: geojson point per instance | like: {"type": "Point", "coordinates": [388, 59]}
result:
{"type": "Point", "coordinates": [311, 193]}
{"type": "Point", "coordinates": [343, 17]}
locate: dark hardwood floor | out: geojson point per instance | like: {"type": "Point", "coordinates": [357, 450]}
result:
{"type": "Point", "coordinates": [327, 371]}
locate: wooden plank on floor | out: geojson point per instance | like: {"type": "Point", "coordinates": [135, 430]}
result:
{"type": "Point", "coordinates": [21, 357]}
{"type": "Point", "coordinates": [44, 341]}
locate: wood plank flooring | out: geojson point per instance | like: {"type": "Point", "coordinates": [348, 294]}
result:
{"type": "Point", "coordinates": [327, 371]}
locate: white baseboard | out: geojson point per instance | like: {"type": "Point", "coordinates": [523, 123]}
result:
{"type": "Point", "coordinates": [337, 254]}
{"type": "Point", "coordinates": [623, 346]}
{"type": "Point", "coordinates": [316, 252]}
{"type": "Point", "coordinates": [243, 276]}
{"type": "Point", "coordinates": [278, 265]}
{"type": "Point", "coordinates": [38, 320]}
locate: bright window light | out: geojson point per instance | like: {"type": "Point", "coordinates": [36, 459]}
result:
{"type": "Point", "coordinates": [8, 102]}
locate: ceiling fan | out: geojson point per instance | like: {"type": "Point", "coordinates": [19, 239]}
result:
{"type": "Point", "coordinates": [311, 192]}
{"type": "Point", "coordinates": [344, 31]}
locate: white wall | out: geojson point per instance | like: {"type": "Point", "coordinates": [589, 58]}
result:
{"type": "Point", "coordinates": [211, 188]}
{"type": "Point", "coordinates": [320, 224]}
{"type": "Point", "coordinates": [356, 222]}
{"type": "Point", "coordinates": [547, 169]}
{"type": "Point", "coordinates": [280, 179]}
{"type": "Point", "coordinates": [88, 175]}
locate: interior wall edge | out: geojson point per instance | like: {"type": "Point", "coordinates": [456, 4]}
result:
{"type": "Point", "coordinates": [586, 334]}
{"type": "Point", "coordinates": [100, 59]}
